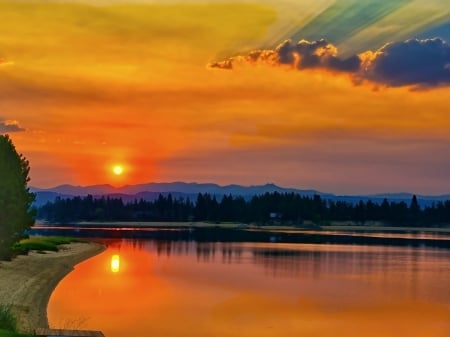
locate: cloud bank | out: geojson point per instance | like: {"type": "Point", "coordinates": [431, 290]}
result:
{"type": "Point", "coordinates": [407, 63]}
{"type": "Point", "coordinates": [7, 126]}
{"type": "Point", "coordinates": [423, 62]}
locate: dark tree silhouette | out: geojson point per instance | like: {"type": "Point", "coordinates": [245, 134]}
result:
{"type": "Point", "coordinates": [268, 209]}
{"type": "Point", "coordinates": [15, 198]}
{"type": "Point", "coordinates": [414, 211]}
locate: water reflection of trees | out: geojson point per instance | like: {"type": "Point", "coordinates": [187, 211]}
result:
{"type": "Point", "coordinates": [306, 261]}
{"type": "Point", "coordinates": [309, 262]}
{"type": "Point", "coordinates": [289, 262]}
{"type": "Point", "coordinates": [360, 262]}
{"type": "Point", "coordinates": [204, 251]}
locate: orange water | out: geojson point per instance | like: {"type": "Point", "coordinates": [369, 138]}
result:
{"type": "Point", "coordinates": [222, 289]}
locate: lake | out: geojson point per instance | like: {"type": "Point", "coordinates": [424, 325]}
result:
{"type": "Point", "coordinates": [184, 288]}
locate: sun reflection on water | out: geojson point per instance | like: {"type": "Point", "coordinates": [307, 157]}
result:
{"type": "Point", "coordinates": [115, 263]}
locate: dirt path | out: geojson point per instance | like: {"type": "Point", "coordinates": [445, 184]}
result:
{"type": "Point", "coordinates": [27, 282]}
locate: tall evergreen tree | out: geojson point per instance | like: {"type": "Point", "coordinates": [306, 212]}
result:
{"type": "Point", "coordinates": [15, 198]}
{"type": "Point", "coordinates": [414, 211]}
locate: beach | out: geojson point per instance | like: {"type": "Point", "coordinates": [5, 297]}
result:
{"type": "Point", "coordinates": [27, 282]}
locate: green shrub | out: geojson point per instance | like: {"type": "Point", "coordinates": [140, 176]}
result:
{"type": "Point", "coordinates": [8, 333]}
{"type": "Point", "coordinates": [42, 243]}
{"type": "Point", "coordinates": [60, 240]}
{"type": "Point", "coordinates": [37, 244]}
{"type": "Point", "coordinates": [7, 319]}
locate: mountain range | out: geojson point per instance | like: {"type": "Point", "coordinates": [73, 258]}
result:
{"type": "Point", "coordinates": [151, 191]}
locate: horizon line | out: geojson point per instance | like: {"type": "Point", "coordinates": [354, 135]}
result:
{"type": "Point", "coordinates": [364, 194]}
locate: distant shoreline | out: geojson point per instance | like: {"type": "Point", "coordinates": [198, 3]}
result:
{"type": "Point", "coordinates": [414, 237]}
{"type": "Point", "coordinates": [27, 282]}
{"type": "Point", "coordinates": [344, 226]}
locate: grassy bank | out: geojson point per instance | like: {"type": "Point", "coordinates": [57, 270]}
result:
{"type": "Point", "coordinates": [42, 244]}
{"type": "Point", "coordinates": [8, 323]}
{"type": "Point", "coordinates": [27, 282]}
{"type": "Point", "coordinates": [7, 333]}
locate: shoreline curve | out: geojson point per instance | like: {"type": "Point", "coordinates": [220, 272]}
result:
{"type": "Point", "coordinates": [27, 282]}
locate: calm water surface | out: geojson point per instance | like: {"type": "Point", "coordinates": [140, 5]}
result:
{"type": "Point", "coordinates": [153, 288]}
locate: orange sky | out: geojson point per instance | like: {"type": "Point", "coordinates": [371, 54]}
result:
{"type": "Point", "coordinates": [97, 85]}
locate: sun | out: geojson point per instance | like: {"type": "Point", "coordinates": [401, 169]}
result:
{"type": "Point", "coordinates": [117, 170]}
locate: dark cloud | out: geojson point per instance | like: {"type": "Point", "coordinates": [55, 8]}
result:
{"type": "Point", "coordinates": [7, 126]}
{"type": "Point", "coordinates": [226, 64]}
{"type": "Point", "coordinates": [406, 63]}
{"type": "Point", "coordinates": [412, 62]}
{"type": "Point", "coordinates": [302, 55]}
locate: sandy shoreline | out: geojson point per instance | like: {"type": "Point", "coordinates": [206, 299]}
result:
{"type": "Point", "coordinates": [27, 282]}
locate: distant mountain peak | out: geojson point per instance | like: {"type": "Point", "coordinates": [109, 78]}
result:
{"type": "Point", "coordinates": [151, 190]}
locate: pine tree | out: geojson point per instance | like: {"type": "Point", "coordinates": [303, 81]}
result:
{"type": "Point", "coordinates": [414, 211]}
{"type": "Point", "coordinates": [15, 198]}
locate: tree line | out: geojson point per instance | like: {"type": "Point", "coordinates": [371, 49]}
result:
{"type": "Point", "coordinates": [269, 208]}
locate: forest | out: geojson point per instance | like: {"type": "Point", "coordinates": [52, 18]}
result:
{"type": "Point", "coordinates": [271, 208]}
